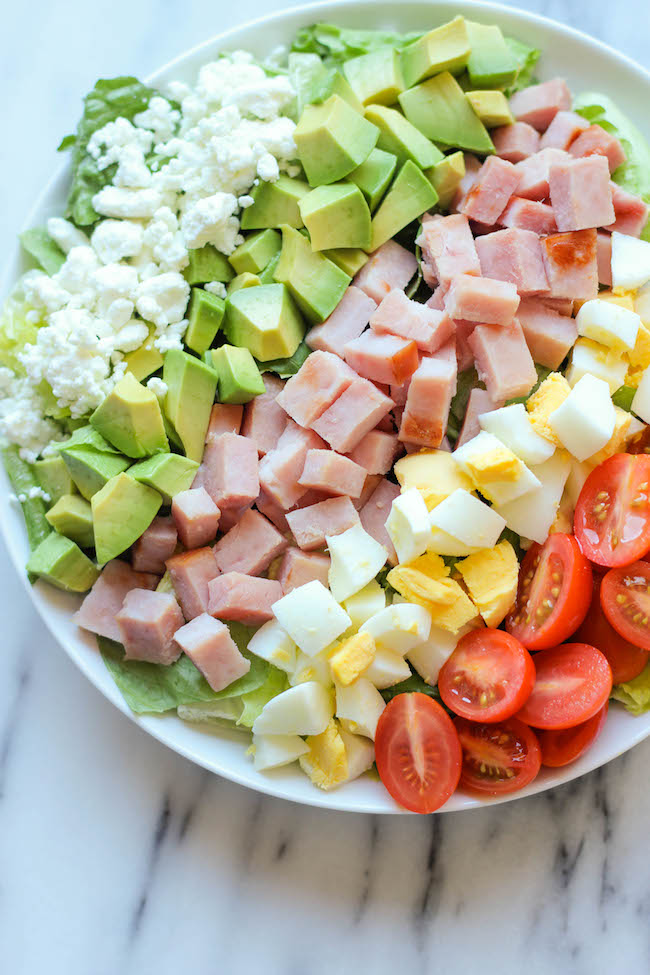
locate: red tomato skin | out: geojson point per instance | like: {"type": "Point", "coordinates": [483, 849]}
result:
{"type": "Point", "coordinates": [526, 765]}
{"type": "Point", "coordinates": [626, 659]}
{"type": "Point", "coordinates": [569, 662]}
{"type": "Point", "coordinates": [395, 729]}
{"type": "Point", "coordinates": [610, 475]}
{"type": "Point", "coordinates": [501, 656]}
{"type": "Point", "coordinates": [611, 587]}
{"type": "Point", "coordinates": [560, 748]}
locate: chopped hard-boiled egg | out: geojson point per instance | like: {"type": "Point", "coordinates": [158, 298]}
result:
{"type": "Point", "coordinates": [271, 642]}
{"type": "Point", "coordinates": [408, 525]}
{"type": "Point", "coordinates": [426, 582]}
{"type": "Point", "coordinates": [512, 426]}
{"type": "Point", "coordinates": [428, 657]}
{"type": "Point", "coordinates": [638, 358]}
{"type": "Point", "coordinates": [578, 474]}
{"type": "Point", "coordinates": [533, 515]}
{"type": "Point", "coordinates": [491, 577]}
{"type": "Point", "coordinates": [617, 442]}
{"type": "Point", "coordinates": [545, 400]}
{"type": "Point", "coordinates": [399, 627]}
{"type": "Point", "coordinates": [589, 358]}
{"type": "Point", "coordinates": [325, 761]}
{"type": "Point", "coordinates": [351, 658]}
{"type": "Point", "coordinates": [302, 710]}
{"type": "Point", "coordinates": [356, 558]}
{"type": "Point", "coordinates": [444, 544]}
{"type": "Point", "coordinates": [272, 751]}
{"type": "Point", "coordinates": [313, 668]}
{"type": "Point", "coordinates": [641, 401]}
{"type": "Point", "coordinates": [388, 667]}
{"type": "Point", "coordinates": [468, 519]}
{"type": "Point", "coordinates": [623, 300]}
{"type": "Point", "coordinates": [365, 603]}
{"type": "Point", "coordinates": [630, 262]}
{"type": "Point", "coordinates": [585, 421]}
{"type": "Point", "coordinates": [641, 301]}
{"type": "Point", "coordinates": [434, 473]}
{"type": "Point", "coordinates": [358, 707]}
{"type": "Point", "coordinates": [494, 469]}
{"type": "Point", "coordinates": [311, 616]}
{"type": "Point", "coordinates": [359, 752]}
{"type": "Point", "coordinates": [608, 323]}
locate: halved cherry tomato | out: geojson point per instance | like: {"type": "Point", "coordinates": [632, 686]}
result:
{"type": "Point", "coordinates": [563, 747]}
{"type": "Point", "coordinates": [554, 593]}
{"type": "Point", "coordinates": [417, 752]}
{"type": "Point", "coordinates": [488, 677]}
{"type": "Point", "coordinates": [612, 519]}
{"type": "Point", "coordinates": [626, 660]}
{"type": "Point", "coordinates": [573, 682]}
{"type": "Point", "coordinates": [625, 598]}
{"type": "Point", "coordinates": [497, 758]}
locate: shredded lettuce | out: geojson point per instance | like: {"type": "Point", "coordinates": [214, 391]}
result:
{"type": "Point", "coordinates": [527, 57]}
{"type": "Point", "coordinates": [543, 372]}
{"type": "Point", "coordinates": [635, 694]}
{"type": "Point", "coordinates": [38, 243]}
{"type": "Point", "coordinates": [466, 382]}
{"type": "Point", "coordinates": [22, 478]}
{"type": "Point", "coordinates": [338, 44]}
{"type": "Point", "coordinates": [15, 332]}
{"type": "Point", "coordinates": [623, 397]}
{"type": "Point", "coordinates": [254, 701]}
{"type": "Point", "coordinates": [287, 367]}
{"type": "Point", "coordinates": [412, 684]}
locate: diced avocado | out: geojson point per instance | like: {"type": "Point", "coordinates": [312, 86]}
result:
{"type": "Point", "coordinates": [130, 418]}
{"type": "Point", "coordinates": [205, 316]}
{"type": "Point", "coordinates": [332, 140]}
{"type": "Point", "coordinates": [54, 477]}
{"type": "Point", "coordinates": [256, 251]}
{"type": "Point", "coordinates": [446, 177]}
{"type": "Point", "coordinates": [336, 216]}
{"type": "Point", "coordinates": [122, 511]}
{"type": "Point", "coordinates": [172, 435]}
{"type": "Point", "coordinates": [169, 474]}
{"type": "Point", "coordinates": [491, 63]}
{"type": "Point", "coordinates": [239, 378]}
{"type": "Point", "coordinates": [245, 280]}
{"type": "Point", "coordinates": [446, 48]}
{"type": "Point", "coordinates": [275, 204]}
{"type": "Point", "coordinates": [374, 175]}
{"type": "Point", "coordinates": [267, 275]}
{"type": "Point", "coordinates": [146, 360]}
{"type": "Point", "coordinates": [491, 107]}
{"type": "Point", "coordinates": [439, 108]}
{"type": "Point", "coordinates": [87, 436]}
{"type": "Point", "coordinates": [340, 86]}
{"type": "Point", "coordinates": [403, 140]}
{"type": "Point", "coordinates": [90, 469]}
{"type": "Point", "coordinates": [62, 563]}
{"type": "Point", "coordinates": [207, 264]}
{"type": "Point", "coordinates": [191, 387]}
{"type": "Point", "coordinates": [375, 77]}
{"type": "Point", "coordinates": [408, 198]}
{"type": "Point", "coordinates": [313, 82]}
{"type": "Point", "coordinates": [350, 260]}
{"type": "Point", "coordinates": [265, 320]}
{"type": "Point", "coordinates": [316, 284]}
{"type": "Point", "coordinates": [72, 516]}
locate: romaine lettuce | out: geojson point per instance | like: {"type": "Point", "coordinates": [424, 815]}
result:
{"type": "Point", "coordinates": [15, 332]}
{"type": "Point", "coordinates": [287, 367]}
{"type": "Point", "coordinates": [43, 249]}
{"type": "Point", "coordinates": [466, 382]}
{"type": "Point", "coordinates": [338, 44]}
{"type": "Point", "coordinates": [527, 58]}
{"type": "Point", "coordinates": [635, 694]}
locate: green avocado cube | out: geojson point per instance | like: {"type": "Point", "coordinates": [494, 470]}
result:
{"type": "Point", "coordinates": [90, 469]}
{"type": "Point", "coordinates": [239, 378]}
{"type": "Point", "coordinates": [446, 177]}
{"type": "Point", "coordinates": [146, 360]}
{"type": "Point", "coordinates": [265, 320]}
{"type": "Point", "coordinates": [373, 176]}
{"type": "Point", "coordinates": [131, 419]}
{"type": "Point", "coordinates": [61, 562]}
{"type": "Point", "coordinates": [439, 108]}
{"type": "Point", "coordinates": [191, 387]}
{"type": "Point", "coordinates": [332, 140]}
{"type": "Point", "coordinates": [315, 284]}
{"type": "Point", "coordinates": [122, 511]}
{"type": "Point", "coordinates": [403, 140]}
{"type": "Point", "coordinates": [245, 280]}
{"type": "Point", "coordinates": [336, 216]}
{"type": "Point", "coordinates": [349, 259]}
{"type": "Point", "coordinates": [375, 77]}
{"type": "Point", "coordinates": [275, 204]}
{"type": "Point", "coordinates": [446, 48]}
{"type": "Point", "coordinates": [72, 516]}
{"type": "Point", "coordinates": [267, 275]}
{"type": "Point", "coordinates": [207, 264]}
{"type": "Point", "coordinates": [205, 316]}
{"type": "Point", "coordinates": [169, 474]}
{"type": "Point", "coordinates": [54, 477]}
{"type": "Point", "coordinates": [256, 251]}
{"type": "Point", "coordinates": [491, 63]}
{"type": "Point", "coordinates": [408, 198]}
{"type": "Point", "coordinates": [87, 436]}
{"type": "Point", "coordinates": [339, 85]}
{"type": "Point", "coordinates": [491, 107]}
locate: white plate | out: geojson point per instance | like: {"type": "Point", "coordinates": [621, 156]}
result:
{"type": "Point", "coordinates": [587, 65]}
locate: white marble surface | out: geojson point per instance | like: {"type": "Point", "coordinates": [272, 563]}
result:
{"type": "Point", "coordinates": [117, 856]}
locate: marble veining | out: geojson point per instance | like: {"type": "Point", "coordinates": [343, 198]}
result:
{"type": "Point", "coordinates": [118, 856]}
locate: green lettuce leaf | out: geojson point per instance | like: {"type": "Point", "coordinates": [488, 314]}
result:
{"type": "Point", "coordinates": [254, 701]}
{"type": "Point", "coordinates": [38, 243]}
{"type": "Point", "coordinates": [287, 367]}
{"type": "Point", "coordinates": [635, 694]}
{"type": "Point", "coordinates": [22, 478]}
{"type": "Point", "coordinates": [15, 333]}
{"type": "Point", "coordinates": [412, 684]}
{"type": "Point", "coordinates": [338, 44]}
{"type": "Point", "coordinates": [623, 397]}
{"type": "Point", "coordinates": [527, 57]}
{"type": "Point", "coordinates": [466, 382]}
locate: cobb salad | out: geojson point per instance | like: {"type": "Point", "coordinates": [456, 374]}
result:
{"type": "Point", "coordinates": [329, 392]}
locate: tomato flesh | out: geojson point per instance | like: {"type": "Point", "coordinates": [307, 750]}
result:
{"type": "Point", "coordinates": [626, 659]}
{"type": "Point", "coordinates": [572, 683]}
{"type": "Point", "coordinates": [612, 517]}
{"type": "Point", "coordinates": [555, 584]}
{"type": "Point", "coordinates": [488, 677]}
{"type": "Point", "coordinates": [417, 752]}
{"type": "Point", "coordinates": [625, 598]}
{"type": "Point", "coordinates": [563, 747]}
{"type": "Point", "coordinates": [497, 758]}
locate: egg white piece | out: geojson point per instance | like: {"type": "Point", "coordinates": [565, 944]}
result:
{"type": "Point", "coordinates": [630, 262]}
{"type": "Point", "coordinates": [359, 706]}
{"type": "Point", "coordinates": [399, 627]}
{"type": "Point", "coordinates": [356, 558]}
{"type": "Point", "coordinates": [578, 474]}
{"type": "Point", "coordinates": [444, 544]}
{"type": "Point", "coordinates": [312, 668]}
{"type": "Point", "coordinates": [641, 401]}
{"type": "Point", "coordinates": [532, 516]}
{"type": "Point", "coordinates": [273, 751]}
{"type": "Point", "coordinates": [365, 603]}
{"type": "Point", "coordinates": [388, 667]}
{"type": "Point", "coordinates": [360, 753]}
{"type": "Point", "coordinates": [593, 359]}
{"type": "Point", "coordinates": [468, 519]}
{"type": "Point", "coordinates": [483, 445]}
{"type": "Point", "coordinates": [608, 323]}
{"type": "Point", "coordinates": [408, 525]}
{"type": "Point", "coordinates": [512, 426]}
{"type": "Point", "coordinates": [311, 616]}
{"type": "Point", "coordinates": [302, 710]}
{"type": "Point", "coordinates": [271, 642]}
{"type": "Point", "coordinates": [642, 303]}
{"type": "Point", "coordinates": [585, 421]}
{"type": "Point", "coordinates": [428, 657]}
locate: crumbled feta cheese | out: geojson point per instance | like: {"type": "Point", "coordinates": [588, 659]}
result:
{"type": "Point", "coordinates": [159, 117]}
{"type": "Point", "coordinates": [113, 138]}
{"type": "Point", "coordinates": [165, 241]}
{"type": "Point", "coordinates": [163, 299]}
{"type": "Point", "coordinates": [44, 292]}
{"type": "Point", "coordinates": [113, 240]}
{"type": "Point", "coordinates": [65, 234]}
{"type": "Point", "coordinates": [212, 221]}
{"type": "Point", "coordinates": [217, 288]}
{"type": "Point", "coordinates": [246, 201]}
{"type": "Point", "coordinates": [158, 387]}
{"type": "Point", "coordinates": [120, 201]}
{"type": "Point", "coordinates": [130, 337]}
{"type": "Point", "coordinates": [22, 420]}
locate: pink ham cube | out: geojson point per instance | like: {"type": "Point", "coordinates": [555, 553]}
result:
{"type": "Point", "coordinates": [322, 377]}
{"type": "Point", "coordinates": [464, 355]}
{"type": "Point", "coordinates": [369, 485]}
{"type": "Point", "coordinates": [377, 451]}
{"type": "Point", "coordinates": [190, 574]}
{"type": "Point", "coordinates": [503, 361]}
{"type": "Point", "coordinates": [331, 517]}
{"type": "Point", "coordinates": [479, 402]}
{"type": "Point", "coordinates": [549, 335]}
{"type": "Point", "coordinates": [631, 212]}
{"type": "Point", "coordinates": [515, 142]}
{"type": "Point", "coordinates": [273, 511]}
{"type": "Point", "coordinates": [529, 215]}
{"type": "Point", "coordinates": [281, 468]}
{"type": "Point", "coordinates": [383, 358]}
{"type": "Point", "coordinates": [571, 264]}
{"type": "Point", "coordinates": [156, 545]}
{"type": "Point", "coordinates": [399, 315]}
{"type": "Point", "coordinates": [102, 604]}
{"type": "Point", "coordinates": [250, 546]}
{"type": "Point", "coordinates": [533, 173]}
{"type": "Point", "coordinates": [390, 266]}
{"type": "Point", "coordinates": [539, 104]}
{"type": "Point", "coordinates": [332, 473]}
{"type": "Point", "coordinates": [427, 405]}
{"type": "Point", "coordinates": [357, 411]}
{"type": "Point", "coordinates": [196, 517]}
{"type": "Point", "coordinates": [472, 169]}
{"type": "Point", "coordinates": [264, 418]}
{"type": "Point", "coordinates": [563, 131]}
{"type": "Point", "coordinates": [224, 418]}
{"type": "Point", "coordinates": [486, 300]}
{"type": "Point", "coordinates": [604, 257]}
{"type": "Point", "coordinates": [496, 182]}
{"type": "Point", "coordinates": [448, 247]}
{"type": "Point", "coordinates": [514, 255]}
{"type": "Point", "coordinates": [212, 650]}
{"type": "Point", "coordinates": [580, 193]}
{"type": "Point", "coordinates": [245, 599]}
{"type": "Point", "coordinates": [232, 517]}
{"type": "Point", "coordinates": [374, 513]}
{"type": "Point", "coordinates": [437, 299]}
{"type": "Point", "coordinates": [147, 623]}
{"type": "Point", "coordinates": [298, 568]}
{"type": "Point", "coordinates": [346, 322]}
{"type": "Point", "coordinates": [595, 141]}
{"type": "Point", "coordinates": [230, 471]}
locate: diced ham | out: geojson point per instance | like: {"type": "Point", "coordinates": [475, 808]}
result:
{"type": "Point", "coordinates": [533, 173]}
{"type": "Point", "coordinates": [503, 361]}
{"type": "Point", "coordinates": [281, 468]}
{"type": "Point", "coordinates": [464, 355]}
{"type": "Point", "coordinates": [321, 378]}
{"type": "Point", "coordinates": [437, 299]}
{"type": "Point", "coordinates": [211, 648]}
{"type": "Point", "coordinates": [563, 306]}
{"type": "Point", "coordinates": [631, 212]}
{"type": "Point", "coordinates": [190, 574]}
{"type": "Point", "coordinates": [231, 517]}
{"type": "Point", "coordinates": [514, 255]}
{"type": "Point", "coordinates": [539, 104]}
{"type": "Point", "coordinates": [399, 315]}
{"type": "Point", "coordinates": [496, 182]}
{"type": "Point", "coordinates": [604, 257]}
{"type": "Point", "coordinates": [472, 169]}
{"type": "Point", "coordinates": [231, 475]}
{"type": "Point", "coordinates": [374, 513]}
{"type": "Point", "coordinates": [386, 423]}
{"type": "Point", "coordinates": [147, 623]}
{"type": "Point", "coordinates": [571, 264]}
{"type": "Point", "coordinates": [595, 141]}
{"type": "Point", "coordinates": [156, 545]}
{"type": "Point", "coordinates": [357, 411]}
{"type": "Point", "coordinates": [399, 393]}
{"type": "Point", "coordinates": [246, 599]}
{"type": "Point", "coordinates": [346, 322]}
{"type": "Point", "coordinates": [448, 247]}
{"type": "Point", "coordinates": [325, 470]}
{"type": "Point", "coordinates": [377, 451]}
{"type": "Point", "coordinates": [298, 568]}
{"type": "Point", "coordinates": [196, 517]}
{"type": "Point", "coordinates": [224, 418]}
{"type": "Point", "coordinates": [529, 215]}
{"type": "Point", "coordinates": [102, 604]}
{"type": "Point", "coordinates": [382, 358]}
{"type": "Point", "coordinates": [250, 546]}
{"type": "Point", "coordinates": [580, 193]}
{"type": "Point", "coordinates": [549, 335]}
{"type": "Point", "coordinates": [331, 517]}
{"type": "Point", "coordinates": [369, 485]}
{"type": "Point", "coordinates": [273, 511]}
{"type": "Point", "coordinates": [427, 405]}
{"type": "Point", "coordinates": [563, 131]}
{"type": "Point", "coordinates": [487, 300]}
{"type": "Point", "coordinates": [264, 418]}
{"type": "Point", "coordinates": [515, 142]}
{"type": "Point", "coordinates": [390, 266]}
{"type": "Point", "coordinates": [479, 402]}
